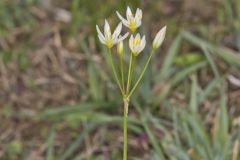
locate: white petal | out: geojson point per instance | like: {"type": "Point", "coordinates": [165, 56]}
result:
{"type": "Point", "coordinates": [115, 41]}
{"type": "Point", "coordinates": [155, 41]}
{"type": "Point", "coordinates": [107, 30]}
{"type": "Point", "coordinates": [131, 43]}
{"type": "Point", "coordinates": [139, 22]}
{"type": "Point", "coordinates": [124, 21]}
{"type": "Point", "coordinates": [100, 35]}
{"type": "Point", "coordinates": [123, 37]}
{"type": "Point", "coordinates": [159, 37]}
{"type": "Point", "coordinates": [136, 50]}
{"type": "Point", "coordinates": [117, 31]}
{"type": "Point", "coordinates": [137, 36]}
{"type": "Point", "coordinates": [143, 44]}
{"type": "Point", "coordinates": [138, 15]}
{"type": "Point", "coordinates": [143, 39]}
{"type": "Point", "coordinates": [129, 13]}
{"type": "Point", "coordinates": [101, 39]}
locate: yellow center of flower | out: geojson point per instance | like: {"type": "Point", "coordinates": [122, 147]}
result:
{"type": "Point", "coordinates": [109, 43]}
{"type": "Point", "coordinates": [132, 26]}
{"type": "Point", "coordinates": [136, 42]}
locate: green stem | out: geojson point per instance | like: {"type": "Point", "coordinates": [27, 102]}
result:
{"type": "Point", "coordinates": [142, 73]}
{"type": "Point", "coordinates": [126, 103]}
{"type": "Point", "coordinates": [122, 72]}
{"type": "Point", "coordinates": [114, 72]}
{"type": "Point", "coordinates": [129, 73]}
{"type": "Point", "coordinates": [133, 65]}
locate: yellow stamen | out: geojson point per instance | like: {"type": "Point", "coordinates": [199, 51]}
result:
{"type": "Point", "coordinates": [137, 41]}
{"type": "Point", "coordinates": [132, 26]}
{"type": "Point", "coordinates": [109, 43]}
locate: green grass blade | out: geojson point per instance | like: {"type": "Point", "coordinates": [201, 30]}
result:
{"type": "Point", "coordinates": [179, 153]}
{"type": "Point", "coordinates": [214, 84]}
{"type": "Point", "coordinates": [223, 119]}
{"type": "Point", "coordinates": [50, 144]}
{"type": "Point", "coordinates": [193, 99]}
{"type": "Point", "coordinates": [228, 55]}
{"type": "Point", "coordinates": [180, 76]}
{"type": "Point", "coordinates": [73, 147]}
{"type": "Point", "coordinates": [150, 133]}
{"type": "Point", "coordinates": [185, 72]}
{"type": "Point", "coordinates": [56, 113]}
{"type": "Point", "coordinates": [203, 142]}
{"type": "Point", "coordinates": [211, 62]}
{"type": "Point", "coordinates": [170, 55]}
{"type": "Point", "coordinates": [94, 77]}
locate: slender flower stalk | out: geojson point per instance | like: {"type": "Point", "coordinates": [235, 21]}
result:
{"type": "Point", "coordinates": [120, 52]}
{"type": "Point", "coordinates": [129, 73]}
{"type": "Point", "coordinates": [136, 45]}
{"type": "Point", "coordinates": [122, 73]}
{"type": "Point", "coordinates": [115, 72]}
{"type": "Point", "coordinates": [126, 104]}
{"type": "Point", "coordinates": [142, 73]}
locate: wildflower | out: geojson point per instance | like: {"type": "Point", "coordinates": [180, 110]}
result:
{"type": "Point", "coordinates": [120, 48]}
{"type": "Point", "coordinates": [132, 22]}
{"type": "Point", "coordinates": [137, 44]}
{"type": "Point", "coordinates": [159, 38]}
{"type": "Point", "coordinates": [108, 38]}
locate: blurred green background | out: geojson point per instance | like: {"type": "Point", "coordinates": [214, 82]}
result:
{"type": "Point", "coordinates": [59, 101]}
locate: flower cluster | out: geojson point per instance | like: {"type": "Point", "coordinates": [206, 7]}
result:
{"type": "Point", "coordinates": [132, 21]}
{"type": "Point", "coordinates": [137, 44]}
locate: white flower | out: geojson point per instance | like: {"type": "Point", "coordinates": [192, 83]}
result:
{"type": "Point", "coordinates": [159, 38]}
{"type": "Point", "coordinates": [137, 44]}
{"type": "Point", "coordinates": [132, 22]}
{"type": "Point", "coordinates": [108, 38]}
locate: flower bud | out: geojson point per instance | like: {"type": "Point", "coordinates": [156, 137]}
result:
{"type": "Point", "coordinates": [120, 48]}
{"type": "Point", "coordinates": [159, 38]}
